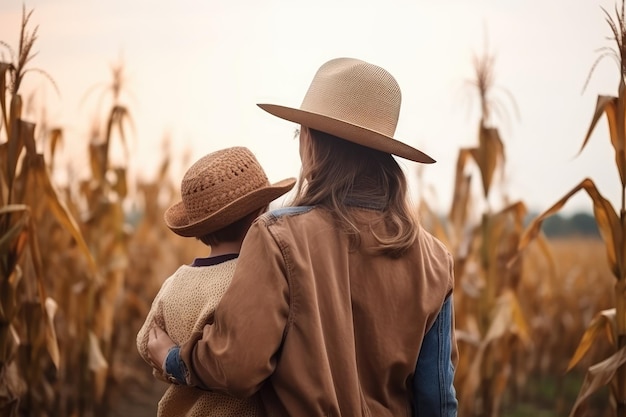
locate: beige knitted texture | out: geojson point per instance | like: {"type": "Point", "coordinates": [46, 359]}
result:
{"type": "Point", "coordinates": [184, 303]}
{"type": "Point", "coordinates": [357, 92]}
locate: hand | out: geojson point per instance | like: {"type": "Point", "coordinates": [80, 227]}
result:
{"type": "Point", "coordinates": [159, 343]}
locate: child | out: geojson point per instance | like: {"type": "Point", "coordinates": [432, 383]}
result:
{"type": "Point", "coordinates": [222, 194]}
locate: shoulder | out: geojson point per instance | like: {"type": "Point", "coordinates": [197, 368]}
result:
{"type": "Point", "coordinates": [274, 215]}
{"type": "Point", "coordinates": [440, 257]}
{"type": "Point", "coordinates": [291, 226]}
{"type": "Point", "coordinates": [434, 247]}
{"type": "Point", "coordinates": [431, 240]}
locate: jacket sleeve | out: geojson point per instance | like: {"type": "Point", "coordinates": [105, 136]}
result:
{"type": "Point", "coordinates": [238, 351]}
{"type": "Point", "coordinates": [433, 382]}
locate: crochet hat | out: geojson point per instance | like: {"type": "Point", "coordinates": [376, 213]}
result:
{"type": "Point", "coordinates": [219, 189]}
{"type": "Point", "coordinates": [356, 101]}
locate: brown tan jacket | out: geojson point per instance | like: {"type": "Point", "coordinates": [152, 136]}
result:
{"type": "Point", "coordinates": [318, 329]}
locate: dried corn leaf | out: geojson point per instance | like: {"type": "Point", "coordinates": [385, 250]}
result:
{"type": "Point", "coordinates": [10, 236]}
{"type": "Point", "coordinates": [15, 111]}
{"type": "Point", "coordinates": [544, 248]}
{"type": "Point", "coordinates": [37, 263]}
{"type": "Point", "coordinates": [25, 226]}
{"type": "Point", "coordinates": [98, 365]}
{"type": "Point", "coordinates": [12, 388]}
{"type": "Point", "coordinates": [603, 322]}
{"type": "Point", "coordinates": [98, 159]}
{"type": "Point", "coordinates": [4, 179]}
{"type": "Point", "coordinates": [598, 376]}
{"type": "Point", "coordinates": [471, 332]}
{"type": "Point", "coordinates": [609, 105]}
{"type": "Point", "coordinates": [472, 383]}
{"type": "Point", "coordinates": [521, 328]}
{"type": "Point", "coordinates": [119, 114]}
{"type": "Point", "coordinates": [601, 107]}
{"type": "Point", "coordinates": [606, 218]}
{"type": "Point", "coordinates": [467, 337]}
{"type": "Point", "coordinates": [15, 144]}
{"type": "Point", "coordinates": [615, 117]}
{"type": "Point", "coordinates": [487, 154]}
{"type": "Point", "coordinates": [8, 297]}
{"type": "Point", "coordinates": [461, 197]}
{"type": "Point", "coordinates": [503, 226]}
{"type": "Point", "coordinates": [508, 318]}
{"type": "Point", "coordinates": [15, 337]}
{"type": "Point", "coordinates": [51, 337]}
{"type": "Point", "coordinates": [56, 138]}
{"type": "Point", "coordinates": [4, 69]}
{"type": "Point", "coordinates": [27, 136]}
{"type": "Point", "coordinates": [518, 210]}
{"type": "Point", "coordinates": [10, 342]}
{"type": "Point", "coordinates": [58, 208]}
{"type": "Point", "coordinates": [121, 182]}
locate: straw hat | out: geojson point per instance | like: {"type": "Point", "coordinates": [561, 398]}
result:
{"type": "Point", "coordinates": [356, 101]}
{"type": "Point", "coordinates": [219, 189]}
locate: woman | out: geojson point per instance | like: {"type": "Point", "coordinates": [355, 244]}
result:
{"type": "Point", "coordinates": [340, 305]}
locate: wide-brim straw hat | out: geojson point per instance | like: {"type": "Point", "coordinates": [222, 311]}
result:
{"type": "Point", "coordinates": [356, 101]}
{"type": "Point", "coordinates": [219, 189]}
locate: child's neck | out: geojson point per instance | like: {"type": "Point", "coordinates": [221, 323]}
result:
{"type": "Point", "coordinates": [225, 248]}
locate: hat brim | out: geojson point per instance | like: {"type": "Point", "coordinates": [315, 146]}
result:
{"type": "Point", "coordinates": [348, 131]}
{"type": "Point", "coordinates": [177, 220]}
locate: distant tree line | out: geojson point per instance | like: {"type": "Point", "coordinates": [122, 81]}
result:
{"type": "Point", "coordinates": [578, 224]}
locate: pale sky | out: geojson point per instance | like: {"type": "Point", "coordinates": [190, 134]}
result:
{"type": "Point", "coordinates": [197, 68]}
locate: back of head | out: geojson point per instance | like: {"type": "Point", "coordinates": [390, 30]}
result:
{"type": "Point", "coordinates": [233, 232]}
{"type": "Point", "coordinates": [340, 175]}
{"type": "Point", "coordinates": [349, 116]}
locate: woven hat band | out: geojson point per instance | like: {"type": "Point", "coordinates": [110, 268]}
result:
{"type": "Point", "coordinates": [356, 92]}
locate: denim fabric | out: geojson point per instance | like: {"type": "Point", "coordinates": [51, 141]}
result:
{"type": "Point", "coordinates": [433, 383]}
{"type": "Point", "coordinates": [175, 367]}
{"type": "Point", "coordinates": [289, 211]}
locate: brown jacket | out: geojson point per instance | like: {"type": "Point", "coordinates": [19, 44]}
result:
{"type": "Point", "coordinates": [321, 330]}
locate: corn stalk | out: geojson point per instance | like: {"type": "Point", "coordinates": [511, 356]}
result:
{"type": "Point", "coordinates": [490, 319]}
{"type": "Point", "coordinates": [611, 322]}
{"type": "Point", "coordinates": [28, 341]}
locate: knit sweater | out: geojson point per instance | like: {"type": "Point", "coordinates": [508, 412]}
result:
{"type": "Point", "coordinates": [183, 305]}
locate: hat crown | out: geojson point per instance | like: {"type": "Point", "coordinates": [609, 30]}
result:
{"type": "Point", "coordinates": [218, 179]}
{"type": "Point", "coordinates": [356, 92]}
{"type": "Point", "coordinates": [355, 101]}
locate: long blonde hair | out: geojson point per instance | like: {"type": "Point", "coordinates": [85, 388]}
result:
{"type": "Point", "coordinates": [337, 174]}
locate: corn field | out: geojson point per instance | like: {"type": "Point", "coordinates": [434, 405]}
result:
{"type": "Point", "coordinates": [541, 323]}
